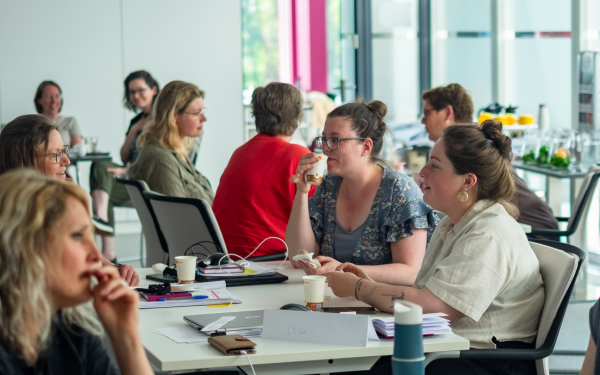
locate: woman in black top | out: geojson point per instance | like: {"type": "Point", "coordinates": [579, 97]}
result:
{"type": "Point", "coordinates": [49, 266]}
{"type": "Point", "coordinates": [141, 90]}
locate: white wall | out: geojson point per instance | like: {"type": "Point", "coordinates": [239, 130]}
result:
{"type": "Point", "coordinates": [89, 47]}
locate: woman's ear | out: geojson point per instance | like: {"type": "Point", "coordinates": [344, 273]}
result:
{"type": "Point", "coordinates": [367, 147]}
{"type": "Point", "coordinates": [470, 181]}
{"type": "Point", "coordinates": [450, 114]}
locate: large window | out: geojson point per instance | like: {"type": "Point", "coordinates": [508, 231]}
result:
{"type": "Point", "coordinates": [461, 47]}
{"type": "Point", "coordinates": [260, 37]}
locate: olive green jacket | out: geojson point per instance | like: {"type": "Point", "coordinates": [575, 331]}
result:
{"type": "Point", "coordinates": [168, 173]}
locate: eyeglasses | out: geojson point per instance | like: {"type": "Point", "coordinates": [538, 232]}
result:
{"type": "Point", "coordinates": [58, 155]}
{"type": "Point", "coordinates": [49, 96]}
{"type": "Point", "coordinates": [333, 143]}
{"type": "Point", "coordinates": [198, 114]}
{"type": "Point", "coordinates": [133, 92]}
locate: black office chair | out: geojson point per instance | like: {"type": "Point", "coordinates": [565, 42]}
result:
{"type": "Point", "coordinates": [157, 250]}
{"type": "Point", "coordinates": [577, 211]}
{"type": "Point", "coordinates": [559, 271]}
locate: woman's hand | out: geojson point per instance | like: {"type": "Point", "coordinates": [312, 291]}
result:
{"type": "Point", "coordinates": [117, 171]}
{"type": "Point", "coordinates": [327, 265]}
{"type": "Point", "coordinates": [116, 304]}
{"type": "Point", "coordinates": [306, 162]}
{"type": "Point", "coordinates": [353, 268]}
{"type": "Point", "coordinates": [342, 284]}
{"type": "Point", "coordinates": [129, 275]}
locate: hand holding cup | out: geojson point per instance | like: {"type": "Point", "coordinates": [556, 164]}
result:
{"type": "Point", "coordinates": [307, 162]}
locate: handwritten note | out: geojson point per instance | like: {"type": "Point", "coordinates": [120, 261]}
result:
{"type": "Point", "coordinates": [335, 329]}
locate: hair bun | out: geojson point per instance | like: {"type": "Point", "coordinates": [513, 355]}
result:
{"type": "Point", "coordinates": [492, 129]}
{"type": "Point", "coordinates": [378, 107]}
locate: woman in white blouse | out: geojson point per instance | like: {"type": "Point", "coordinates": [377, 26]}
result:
{"type": "Point", "coordinates": [478, 268]}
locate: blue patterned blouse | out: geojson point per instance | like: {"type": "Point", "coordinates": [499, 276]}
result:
{"type": "Point", "coordinates": [397, 209]}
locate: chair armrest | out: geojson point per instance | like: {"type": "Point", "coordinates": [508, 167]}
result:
{"type": "Point", "coordinates": [562, 218]}
{"type": "Point", "coordinates": [267, 258]}
{"type": "Point", "coordinates": [430, 357]}
{"type": "Point", "coordinates": [548, 232]}
{"type": "Point", "coordinates": [518, 354]}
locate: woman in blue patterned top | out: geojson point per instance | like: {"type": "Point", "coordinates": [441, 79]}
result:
{"type": "Point", "coordinates": [363, 212]}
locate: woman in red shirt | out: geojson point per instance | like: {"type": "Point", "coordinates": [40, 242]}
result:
{"type": "Point", "coordinates": [255, 196]}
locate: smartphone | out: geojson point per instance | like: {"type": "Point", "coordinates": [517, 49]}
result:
{"type": "Point", "coordinates": [239, 351]}
{"type": "Point", "coordinates": [358, 310]}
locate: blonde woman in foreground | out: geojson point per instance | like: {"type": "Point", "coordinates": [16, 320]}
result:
{"type": "Point", "coordinates": [48, 260]}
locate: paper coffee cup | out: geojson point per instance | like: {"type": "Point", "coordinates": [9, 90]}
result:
{"type": "Point", "coordinates": [186, 269]}
{"type": "Point", "coordinates": [314, 291]}
{"type": "Point", "coordinates": [314, 176]}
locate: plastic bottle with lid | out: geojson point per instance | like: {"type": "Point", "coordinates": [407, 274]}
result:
{"type": "Point", "coordinates": [409, 357]}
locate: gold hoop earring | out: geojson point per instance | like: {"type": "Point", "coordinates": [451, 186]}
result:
{"type": "Point", "coordinates": [463, 195]}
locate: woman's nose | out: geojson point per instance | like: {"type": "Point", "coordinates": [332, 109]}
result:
{"type": "Point", "coordinates": [422, 173]}
{"type": "Point", "coordinates": [66, 160]}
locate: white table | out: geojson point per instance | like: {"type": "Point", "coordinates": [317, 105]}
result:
{"type": "Point", "coordinates": [272, 356]}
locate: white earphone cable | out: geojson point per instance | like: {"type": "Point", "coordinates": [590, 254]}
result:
{"type": "Point", "coordinates": [252, 367]}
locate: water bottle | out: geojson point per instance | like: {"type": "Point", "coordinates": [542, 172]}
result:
{"type": "Point", "coordinates": [408, 358]}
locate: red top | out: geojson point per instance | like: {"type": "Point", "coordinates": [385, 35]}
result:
{"type": "Point", "coordinates": [255, 196]}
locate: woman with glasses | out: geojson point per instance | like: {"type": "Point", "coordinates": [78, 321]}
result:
{"type": "Point", "coordinates": [177, 117]}
{"type": "Point", "coordinates": [479, 268]}
{"type": "Point", "coordinates": [141, 90]}
{"type": "Point", "coordinates": [51, 272]}
{"type": "Point", "coordinates": [363, 212]}
{"type": "Point", "coordinates": [48, 102]}
{"type": "Point", "coordinates": [33, 141]}
{"type": "Point", "coordinates": [262, 167]}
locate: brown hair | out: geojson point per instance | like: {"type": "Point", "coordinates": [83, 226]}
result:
{"type": "Point", "coordinates": [453, 95]}
{"type": "Point", "coordinates": [20, 141]}
{"type": "Point", "coordinates": [486, 152]}
{"type": "Point", "coordinates": [40, 92]}
{"type": "Point", "coordinates": [277, 109]}
{"type": "Point", "coordinates": [367, 122]}
{"type": "Point", "coordinates": [173, 99]}
{"type": "Point", "coordinates": [150, 81]}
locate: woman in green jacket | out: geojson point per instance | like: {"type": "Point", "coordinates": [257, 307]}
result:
{"type": "Point", "coordinates": [178, 117]}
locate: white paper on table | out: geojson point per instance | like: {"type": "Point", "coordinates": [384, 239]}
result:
{"type": "Point", "coordinates": [182, 334]}
{"type": "Point", "coordinates": [335, 329]}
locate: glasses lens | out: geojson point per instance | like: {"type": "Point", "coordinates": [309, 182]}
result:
{"type": "Point", "coordinates": [319, 141]}
{"type": "Point", "coordinates": [333, 143]}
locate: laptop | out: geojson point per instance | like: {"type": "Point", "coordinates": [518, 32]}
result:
{"type": "Point", "coordinates": [246, 323]}
{"type": "Point", "coordinates": [210, 230]}
{"type": "Point", "coordinates": [229, 280]}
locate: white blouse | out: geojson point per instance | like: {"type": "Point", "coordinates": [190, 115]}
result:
{"type": "Point", "coordinates": [485, 268]}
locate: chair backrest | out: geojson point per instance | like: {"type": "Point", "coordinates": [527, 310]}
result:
{"type": "Point", "coordinates": [583, 198]}
{"type": "Point", "coordinates": [559, 265]}
{"type": "Point", "coordinates": [185, 222]}
{"type": "Point", "coordinates": [156, 246]}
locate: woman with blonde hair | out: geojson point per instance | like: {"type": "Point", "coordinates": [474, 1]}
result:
{"type": "Point", "coordinates": [48, 267]}
{"type": "Point", "coordinates": [177, 118]}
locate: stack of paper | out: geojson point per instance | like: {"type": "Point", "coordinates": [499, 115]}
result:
{"type": "Point", "coordinates": [433, 324]}
{"type": "Point", "coordinates": [251, 269]}
{"type": "Point", "coordinates": [223, 269]}
{"type": "Point", "coordinates": [214, 292]}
